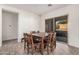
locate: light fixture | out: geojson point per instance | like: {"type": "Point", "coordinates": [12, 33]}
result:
{"type": "Point", "coordinates": [49, 4]}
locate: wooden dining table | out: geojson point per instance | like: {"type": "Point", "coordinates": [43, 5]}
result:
{"type": "Point", "coordinates": [38, 36]}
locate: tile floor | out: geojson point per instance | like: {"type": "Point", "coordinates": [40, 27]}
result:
{"type": "Point", "coordinates": [14, 48]}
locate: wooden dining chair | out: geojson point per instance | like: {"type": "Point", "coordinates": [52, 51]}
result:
{"type": "Point", "coordinates": [42, 45]}
{"type": "Point", "coordinates": [24, 37]}
{"type": "Point", "coordinates": [54, 40]}
{"type": "Point", "coordinates": [31, 45]}
{"type": "Point", "coordinates": [49, 42]}
{"type": "Point", "coordinates": [26, 42]}
{"type": "Point", "coordinates": [35, 32]}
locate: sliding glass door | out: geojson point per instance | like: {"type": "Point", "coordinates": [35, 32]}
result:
{"type": "Point", "coordinates": [61, 28]}
{"type": "Point", "coordinates": [48, 25]}
{"type": "Point", "coordinates": [58, 25]}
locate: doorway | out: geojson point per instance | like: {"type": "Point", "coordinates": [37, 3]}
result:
{"type": "Point", "coordinates": [9, 26]}
{"type": "Point", "coordinates": [49, 25]}
{"type": "Point", "coordinates": [61, 28]}
{"type": "Point", "coordinates": [58, 25]}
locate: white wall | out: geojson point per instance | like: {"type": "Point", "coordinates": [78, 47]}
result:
{"type": "Point", "coordinates": [26, 21]}
{"type": "Point", "coordinates": [73, 22]}
{"type": "Point", "coordinates": [0, 26]}
{"type": "Point", "coordinates": [9, 25]}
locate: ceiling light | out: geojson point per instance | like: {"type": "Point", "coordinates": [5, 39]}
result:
{"type": "Point", "coordinates": [49, 4]}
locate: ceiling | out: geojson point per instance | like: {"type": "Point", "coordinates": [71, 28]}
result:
{"type": "Point", "coordinates": [38, 8]}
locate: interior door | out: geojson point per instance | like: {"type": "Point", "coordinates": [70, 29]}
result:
{"type": "Point", "coordinates": [9, 25]}
{"type": "Point", "coordinates": [10, 28]}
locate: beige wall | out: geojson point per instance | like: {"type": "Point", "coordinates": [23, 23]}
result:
{"type": "Point", "coordinates": [73, 21]}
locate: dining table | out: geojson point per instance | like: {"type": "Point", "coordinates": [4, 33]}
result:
{"type": "Point", "coordinates": [38, 36]}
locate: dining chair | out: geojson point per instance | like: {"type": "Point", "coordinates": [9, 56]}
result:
{"type": "Point", "coordinates": [42, 45]}
{"type": "Point", "coordinates": [24, 37]}
{"type": "Point", "coordinates": [54, 40]}
{"type": "Point", "coordinates": [49, 42]}
{"type": "Point", "coordinates": [31, 45]}
{"type": "Point", "coordinates": [25, 40]}
{"type": "Point", "coordinates": [33, 32]}
{"type": "Point", "coordinates": [38, 31]}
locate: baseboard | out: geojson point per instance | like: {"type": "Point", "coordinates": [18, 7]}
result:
{"type": "Point", "coordinates": [74, 45]}
{"type": "Point", "coordinates": [8, 40]}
